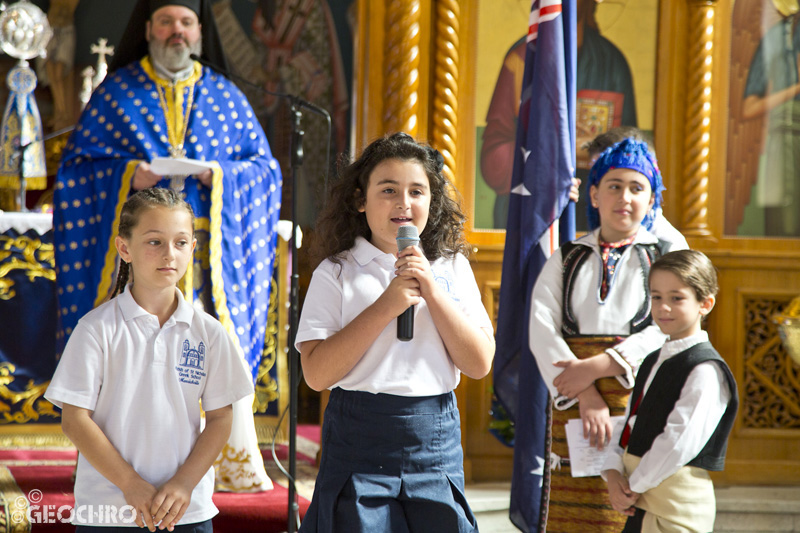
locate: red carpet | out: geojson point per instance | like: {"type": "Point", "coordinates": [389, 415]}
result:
{"type": "Point", "coordinates": [45, 477]}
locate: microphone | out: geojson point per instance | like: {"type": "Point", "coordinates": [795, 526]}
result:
{"type": "Point", "coordinates": [406, 236]}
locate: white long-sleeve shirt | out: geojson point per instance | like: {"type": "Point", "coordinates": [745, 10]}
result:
{"type": "Point", "coordinates": [612, 316]}
{"type": "Point", "coordinates": [696, 415]}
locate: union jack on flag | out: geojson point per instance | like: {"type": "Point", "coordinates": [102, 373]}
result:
{"type": "Point", "coordinates": [543, 11]}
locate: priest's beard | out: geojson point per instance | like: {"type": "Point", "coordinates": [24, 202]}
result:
{"type": "Point", "coordinates": [174, 58]}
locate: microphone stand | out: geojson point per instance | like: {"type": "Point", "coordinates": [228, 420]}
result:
{"type": "Point", "coordinates": [296, 148]}
{"type": "Point", "coordinates": [23, 185]}
{"type": "Point", "coordinates": [294, 299]}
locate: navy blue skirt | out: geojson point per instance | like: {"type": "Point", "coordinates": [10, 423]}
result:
{"type": "Point", "coordinates": [390, 464]}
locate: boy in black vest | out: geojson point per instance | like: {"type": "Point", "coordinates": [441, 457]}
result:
{"type": "Point", "coordinates": [681, 412]}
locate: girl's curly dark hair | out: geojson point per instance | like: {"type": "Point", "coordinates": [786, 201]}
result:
{"type": "Point", "coordinates": [340, 221]}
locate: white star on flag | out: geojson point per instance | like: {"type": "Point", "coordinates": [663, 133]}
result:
{"type": "Point", "coordinates": [540, 470]}
{"type": "Point", "coordinates": [521, 190]}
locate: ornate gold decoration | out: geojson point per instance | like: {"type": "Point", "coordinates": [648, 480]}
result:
{"type": "Point", "coordinates": [272, 389]}
{"type": "Point", "coordinates": [401, 66]}
{"type": "Point", "coordinates": [789, 328]}
{"type": "Point", "coordinates": [266, 386]}
{"type": "Point", "coordinates": [13, 505]}
{"type": "Point", "coordinates": [232, 473]}
{"type": "Point", "coordinates": [38, 260]}
{"type": "Point", "coordinates": [54, 440]}
{"type": "Point", "coordinates": [445, 99]}
{"type": "Point", "coordinates": [699, 56]}
{"type": "Point", "coordinates": [771, 389]}
{"type": "Point", "coordinates": [24, 406]}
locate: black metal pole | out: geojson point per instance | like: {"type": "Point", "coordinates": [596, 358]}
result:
{"type": "Point", "coordinates": [294, 302]}
{"type": "Point", "coordinates": [22, 195]}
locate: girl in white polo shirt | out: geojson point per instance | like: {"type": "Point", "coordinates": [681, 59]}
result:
{"type": "Point", "coordinates": [391, 452]}
{"type": "Point", "coordinates": [132, 377]}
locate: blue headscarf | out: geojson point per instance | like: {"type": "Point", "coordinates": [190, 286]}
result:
{"type": "Point", "coordinates": [632, 154]}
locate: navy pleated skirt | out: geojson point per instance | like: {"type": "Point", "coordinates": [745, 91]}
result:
{"type": "Point", "coordinates": [390, 464]}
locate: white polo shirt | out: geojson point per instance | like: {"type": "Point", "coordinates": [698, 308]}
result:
{"type": "Point", "coordinates": [144, 384]}
{"type": "Point", "coordinates": [420, 367]}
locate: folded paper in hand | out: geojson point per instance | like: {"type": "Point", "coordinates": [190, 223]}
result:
{"type": "Point", "coordinates": [178, 166]}
{"type": "Point", "coordinates": [584, 459]}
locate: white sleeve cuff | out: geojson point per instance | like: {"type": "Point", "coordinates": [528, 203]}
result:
{"type": "Point", "coordinates": [562, 403]}
{"type": "Point", "coordinates": [627, 379]}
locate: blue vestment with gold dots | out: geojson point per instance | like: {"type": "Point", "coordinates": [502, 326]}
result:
{"type": "Point", "coordinates": [124, 124]}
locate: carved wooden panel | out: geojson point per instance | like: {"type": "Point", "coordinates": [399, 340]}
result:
{"type": "Point", "coordinates": [771, 388]}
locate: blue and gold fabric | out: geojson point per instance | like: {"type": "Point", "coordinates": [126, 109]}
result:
{"type": "Point", "coordinates": [28, 318]}
{"type": "Point", "coordinates": [134, 116]}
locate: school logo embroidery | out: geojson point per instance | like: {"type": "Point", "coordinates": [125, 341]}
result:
{"type": "Point", "coordinates": [193, 357]}
{"type": "Point", "coordinates": [193, 360]}
{"type": "Point", "coordinates": [446, 281]}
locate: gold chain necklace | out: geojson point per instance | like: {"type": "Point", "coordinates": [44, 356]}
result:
{"type": "Point", "coordinates": [176, 137]}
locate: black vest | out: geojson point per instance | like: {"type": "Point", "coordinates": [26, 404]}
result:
{"type": "Point", "coordinates": [664, 392]}
{"type": "Point", "coordinates": [575, 253]}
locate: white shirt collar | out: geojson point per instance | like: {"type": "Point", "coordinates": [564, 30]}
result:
{"type": "Point", "coordinates": [132, 310]}
{"type": "Point", "coordinates": [364, 252]}
{"type": "Point", "coordinates": [671, 348]}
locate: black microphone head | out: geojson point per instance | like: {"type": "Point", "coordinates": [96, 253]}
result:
{"type": "Point", "coordinates": [194, 57]}
{"type": "Point", "coordinates": [407, 236]}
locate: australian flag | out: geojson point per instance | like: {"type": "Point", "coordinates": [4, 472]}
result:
{"type": "Point", "coordinates": [544, 165]}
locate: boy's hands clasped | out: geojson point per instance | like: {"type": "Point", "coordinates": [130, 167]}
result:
{"type": "Point", "coordinates": [619, 491]}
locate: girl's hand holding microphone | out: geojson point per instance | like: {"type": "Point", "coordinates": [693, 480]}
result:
{"type": "Point", "coordinates": [402, 293]}
{"type": "Point", "coordinates": [412, 264]}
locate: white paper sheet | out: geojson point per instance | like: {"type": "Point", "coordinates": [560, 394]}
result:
{"type": "Point", "coordinates": [586, 460]}
{"type": "Point", "coordinates": [178, 166]}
